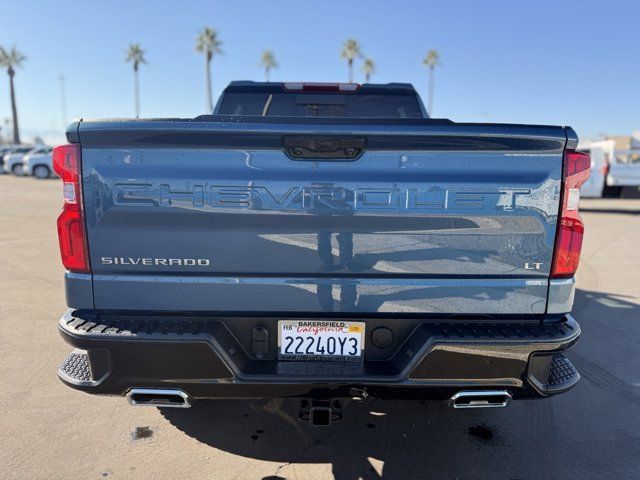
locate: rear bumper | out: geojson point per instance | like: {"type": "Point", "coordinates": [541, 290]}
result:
{"type": "Point", "coordinates": [220, 357]}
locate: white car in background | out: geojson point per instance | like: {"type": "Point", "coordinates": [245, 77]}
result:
{"type": "Point", "coordinates": [611, 169]}
{"type": "Point", "coordinates": [12, 160]}
{"type": "Point", "coordinates": [38, 162]}
{"type": "Point", "coordinates": [4, 149]}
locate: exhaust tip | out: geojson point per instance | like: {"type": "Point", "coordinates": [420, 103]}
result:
{"type": "Point", "coordinates": [480, 399]}
{"type": "Point", "coordinates": [156, 397]}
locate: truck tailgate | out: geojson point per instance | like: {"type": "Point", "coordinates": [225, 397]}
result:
{"type": "Point", "coordinates": [215, 216]}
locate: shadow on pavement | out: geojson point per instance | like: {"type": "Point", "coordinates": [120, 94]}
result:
{"type": "Point", "coordinates": [376, 439]}
{"type": "Point", "coordinates": [569, 436]}
{"type": "Point", "coordinates": [600, 300]}
{"type": "Point", "coordinates": [630, 192]}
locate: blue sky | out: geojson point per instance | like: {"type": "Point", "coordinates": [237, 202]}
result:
{"type": "Point", "coordinates": [574, 63]}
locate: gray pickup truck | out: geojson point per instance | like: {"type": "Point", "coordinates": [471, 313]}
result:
{"type": "Point", "coordinates": [320, 241]}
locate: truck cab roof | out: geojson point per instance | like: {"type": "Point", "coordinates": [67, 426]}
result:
{"type": "Point", "coordinates": [250, 86]}
{"type": "Point", "coordinates": [305, 99]}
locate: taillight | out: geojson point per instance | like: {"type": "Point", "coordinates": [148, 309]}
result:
{"type": "Point", "coordinates": [71, 234]}
{"type": "Point", "coordinates": [570, 229]}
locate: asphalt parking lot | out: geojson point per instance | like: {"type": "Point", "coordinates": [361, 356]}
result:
{"type": "Point", "coordinates": [50, 431]}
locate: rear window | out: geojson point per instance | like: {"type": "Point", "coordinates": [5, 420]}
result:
{"type": "Point", "coordinates": [320, 105]}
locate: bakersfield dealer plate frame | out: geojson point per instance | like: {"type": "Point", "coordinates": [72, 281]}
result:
{"type": "Point", "coordinates": [354, 330]}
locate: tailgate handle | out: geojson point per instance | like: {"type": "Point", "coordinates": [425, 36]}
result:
{"type": "Point", "coordinates": [323, 148]}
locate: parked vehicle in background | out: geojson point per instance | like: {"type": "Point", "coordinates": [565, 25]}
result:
{"type": "Point", "coordinates": [320, 241]}
{"type": "Point", "coordinates": [624, 170]}
{"type": "Point", "coordinates": [38, 162]}
{"type": "Point", "coordinates": [4, 149]}
{"type": "Point", "coordinates": [12, 160]}
{"type": "Point", "coordinates": [622, 166]}
{"type": "Point", "coordinates": [596, 183]}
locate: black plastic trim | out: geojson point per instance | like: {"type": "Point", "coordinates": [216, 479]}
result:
{"type": "Point", "coordinates": [203, 357]}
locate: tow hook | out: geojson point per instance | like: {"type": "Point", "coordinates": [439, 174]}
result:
{"type": "Point", "coordinates": [320, 412]}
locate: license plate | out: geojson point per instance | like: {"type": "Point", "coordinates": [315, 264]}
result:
{"type": "Point", "coordinates": [320, 340]}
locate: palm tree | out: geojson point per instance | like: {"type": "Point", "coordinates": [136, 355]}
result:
{"type": "Point", "coordinates": [135, 55]}
{"type": "Point", "coordinates": [350, 51]}
{"type": "Point", "coordinates": [208, 43]}
{"type": "Point", "coordinates": [11, 59]}
{"type": "Point", "coordinates": [368, 68]}
{"type": "Point", "coordinates": [431, 61]}
{"type": "Point", "coordinates": [268, 61]}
